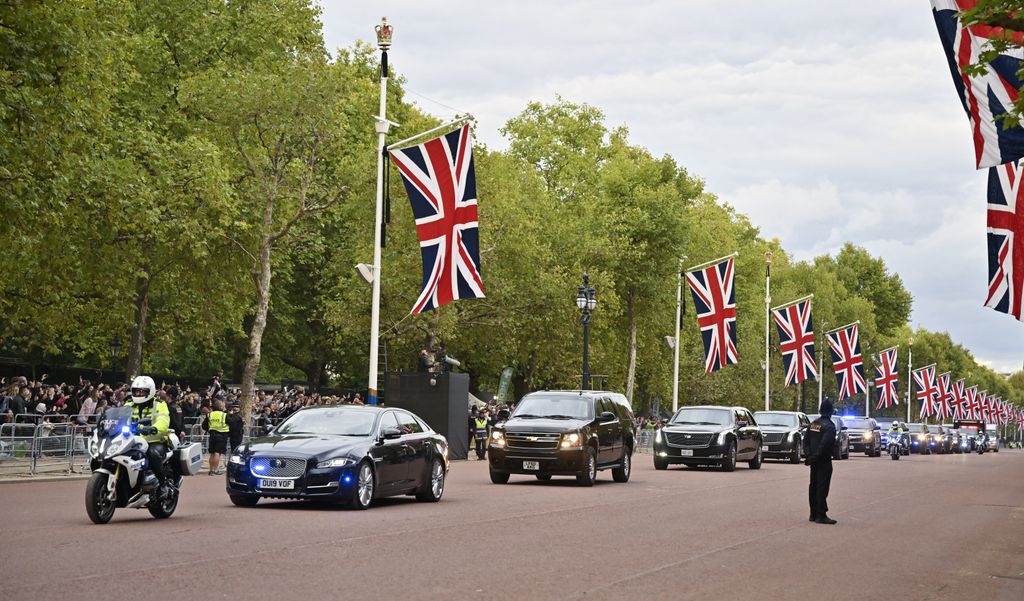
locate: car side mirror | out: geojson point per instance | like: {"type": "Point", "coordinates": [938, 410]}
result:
{"type": "Point", "coordinates": [606, 416]}
{"type": "Point", "coordinates": [390, 433]}
{"type": "Point", "coordinates": [740, 423]}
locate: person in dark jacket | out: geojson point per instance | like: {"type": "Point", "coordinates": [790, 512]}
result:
{"type": "Point", "coordinates": [821, 440]}
{"type": "Point", "coordinates": [177, 419]}
{"type": "Point", "coordinates": [236, 426]}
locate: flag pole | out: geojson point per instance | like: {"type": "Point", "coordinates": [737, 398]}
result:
{"type": "Point", "coordinates": [767, 321]}
{"type": "Point", "coordinates": [910, 375]}
{"type": "Point", "coordinates": [679, 313]}
{"type": "Point", "coordinates": [381, 126]}
{"type": "Point", "coordinates": [821, 361]}
{"type": "Point", "coordinates": [867, 387]}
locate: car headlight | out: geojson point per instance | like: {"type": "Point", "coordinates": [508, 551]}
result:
{"type": "Point", "coordinates": [236, 459]}
{"type": "Point", "coordinates": [868, 436]}
{"type": "Point", "coordinates": [920, 436]}
{"type": "Point", "coordinates": [722, 436]}
{"type": "Point", "coordinates": [792, 436]}
{"type": "Point", "coordinates": [657, 436]}
{"type": "Point", "coordinates": [336, 462]}
{"type": "Point", "coordinates": [572, 439]}
{"type": "Point", "coordinates": [498, 438]}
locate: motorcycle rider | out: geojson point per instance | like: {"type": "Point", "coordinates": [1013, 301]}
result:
{"type": "Point", "coordinates": [896, 429]}
{"type": "Point", "coordinates": [146, 406]}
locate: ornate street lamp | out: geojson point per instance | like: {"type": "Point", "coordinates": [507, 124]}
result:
{"type": "Point", "coordinates": [587, 302]}
{"type": "Point", "coordinates": [115, 352]}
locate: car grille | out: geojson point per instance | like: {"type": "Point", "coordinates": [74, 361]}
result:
{"type": "Point", "coordinates": [773, 437]}
{"type": "Point", "coordinates": [277, 467]}
{"type": "Point", "coordinates": [531, 440]}
{"type": "Point", "coordinates": [689, 440]}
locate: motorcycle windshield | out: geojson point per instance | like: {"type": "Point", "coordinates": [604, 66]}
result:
{"type": "Point", "coordinates": [114, 421]}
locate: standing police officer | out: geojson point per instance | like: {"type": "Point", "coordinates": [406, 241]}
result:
{"type": "Point", "coordinates": [821, 440]}
{"type": "Point", "coordinates": [217, 425]}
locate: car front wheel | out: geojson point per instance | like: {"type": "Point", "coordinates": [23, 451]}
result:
{"type": "Point", "coordinates": [366, 485]}
{"type": "Point", "coordinates": [729, 463]}
{"type": "Point", "coordinates": [589, 474]}
{"type": "Point", "coordinates": [498, 477]}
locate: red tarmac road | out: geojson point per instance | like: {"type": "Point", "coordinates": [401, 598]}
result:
{"type": "Point", "coordinates": [956, 522]}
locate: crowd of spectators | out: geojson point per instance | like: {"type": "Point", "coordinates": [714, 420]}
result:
{"type": "Point", "coordinates": [35, 401]}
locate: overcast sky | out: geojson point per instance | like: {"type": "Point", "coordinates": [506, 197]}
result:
{"type": "Point", "coordinates": [822, 121]}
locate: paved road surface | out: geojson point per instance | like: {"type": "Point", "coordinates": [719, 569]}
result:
{"type": "Point", "coordinates": [681, 534]}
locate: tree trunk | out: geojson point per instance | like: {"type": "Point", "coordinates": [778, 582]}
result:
{"type": "Point", "coordinates": [138, 339]}
{"type": "Point", "coordinates": [259, 322]}
{"type": "Point", "coordinates": [631, 372]}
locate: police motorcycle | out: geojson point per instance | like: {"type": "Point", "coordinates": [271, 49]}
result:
{"type": "Point", "coordinates": [981, 444]}
{"type": "Point", "coordinates": [895, 445]}
{"type": "Point", "coordinates": [120, 474]}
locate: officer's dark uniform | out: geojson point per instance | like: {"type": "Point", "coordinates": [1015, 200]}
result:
{"type": "Point", "coordinates": [821, 440]}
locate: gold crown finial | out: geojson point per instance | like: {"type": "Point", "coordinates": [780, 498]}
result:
{"type": "Point", "coordinates": [384, 32]}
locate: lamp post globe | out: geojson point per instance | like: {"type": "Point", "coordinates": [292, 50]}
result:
{"type": "Point", "coordinates": [586, 302]}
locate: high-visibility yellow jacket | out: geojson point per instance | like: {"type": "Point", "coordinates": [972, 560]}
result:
{"type": "Point", "coordinates": [218, 421]}
{"type": "Point", "coordinates": [159, 416]}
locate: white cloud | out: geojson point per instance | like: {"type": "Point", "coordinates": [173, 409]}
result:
{"type": "Point", "coordinates": [823, 121]}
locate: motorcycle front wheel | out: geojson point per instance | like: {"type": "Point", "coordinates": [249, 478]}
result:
{"type": "Point", "coordinates": [162, 510]}
{"type": "Point", "coordinates": [97, 505]}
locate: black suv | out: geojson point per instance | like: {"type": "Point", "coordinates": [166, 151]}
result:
{"type": "Point", "coordinates": [783, 434]}
{"type": "Point", "coordinates": [709, 435]}
{"type": "Point", "coordinates": [865, 435]}
{"type": "Point", "coordinates": [564, 433]}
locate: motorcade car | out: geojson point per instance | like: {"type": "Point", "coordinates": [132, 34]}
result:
{"type": "Point", "coordinates": [348, 454]}
{"type": "Point", "coordinates": [865, 435]}
{"type": "Point", "coordinates": [954, 438]}
{"type": "Point", "coordinates": [992, 434]}
{"type": "Point", "coordinates": [920, 441]}
{"type": "Point", "coordinates": [969, 433]}
{"type": "Point", "coordinates": [564, 433]}
{"type": "Point", "coordinates": [783, 434]}
{"type": "Point", "coordinates": [842, 448]}
{"type": "Point", "coordinates": [940, 442]}
{"type": "Point", "coordinates": [709, 435]}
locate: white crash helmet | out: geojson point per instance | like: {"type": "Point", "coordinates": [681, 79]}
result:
{"type": "Point", "coordinates": [143, 389]}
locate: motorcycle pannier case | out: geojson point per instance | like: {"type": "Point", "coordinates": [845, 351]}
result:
{"type": "Point", "coordinates": [190, 458]}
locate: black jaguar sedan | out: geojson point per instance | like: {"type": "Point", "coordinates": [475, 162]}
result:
{"type": "Point", "coordinates": [351, 455]}
{"type": "Point", "coordinates": [709, 435]}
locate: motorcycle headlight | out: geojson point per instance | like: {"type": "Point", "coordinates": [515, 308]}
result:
{"type": "Point", "coordinates": [94, 447]}
{"type": "Point", "coordinates": [236, 459]}
{"type": "Point", "coordinates": [572, 439]}
{"type": "Point", "coordinates": [336, 462]}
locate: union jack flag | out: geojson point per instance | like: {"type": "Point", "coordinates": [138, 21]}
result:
{"type": "Point", "coordinates": [970, 408]}
{"type": "Point", "coordinates": [959, 399]}
{"type": "Point", "coordinates": [796, 341]}
{"type": "Point", "coordinates": [927, 391]}
{"type": "Point", "coordinates": [847, 361]}
{"type": "Point", "coordinates": [439, 178]}
{"type": "Point", "coordinates": [714, 297]}
{"type": "Point", "coordinates": [944, 400]}
{"type": "Point", "coordinates": [1005, 239]}
{"type": "Point", "coordinates": [985, 97]}
{"type": "Point", "coordinates": [981, 409]}
{"type": "Point", "coordinates": [886, 378]}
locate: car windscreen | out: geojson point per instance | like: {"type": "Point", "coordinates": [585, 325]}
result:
{"type": "Point", "coordinates": [858, 424]}
{"type": "Point", "coordinates": [340, 422]}
{"type": "Point", "coordinates": [702, 417]}
{"type": "Point", "coordinates": [915, 428]}
{"type": "Point", "coordinates": [554, 407]}
{"type": "Point", "coordinates": [769, 418]}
